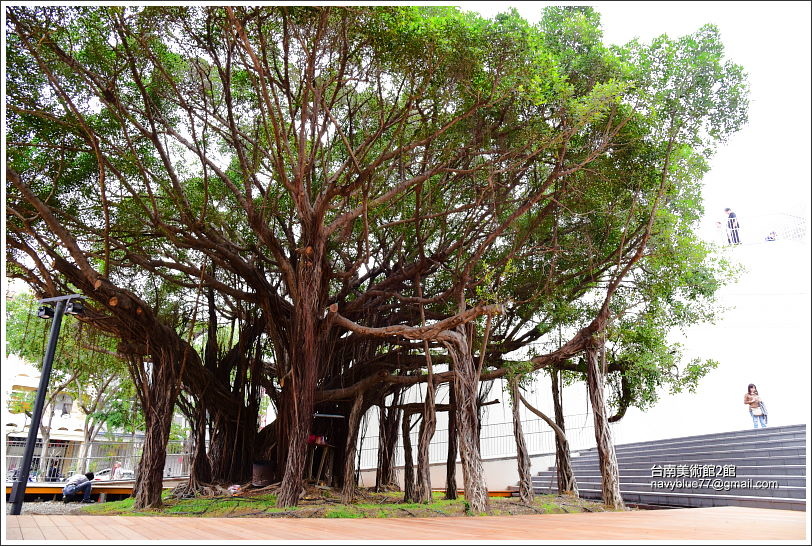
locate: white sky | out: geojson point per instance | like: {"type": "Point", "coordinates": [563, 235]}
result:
{"type": "Point", "coordinates": [765, 167]}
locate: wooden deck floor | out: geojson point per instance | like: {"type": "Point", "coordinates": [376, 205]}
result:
{"type": "Point", "coordinates": [118, 486]}
{"type": "Point", "coordinates": [721, 523]}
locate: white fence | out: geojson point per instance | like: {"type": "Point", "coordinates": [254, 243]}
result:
{"type": "Point", "coordinates": [763, 228]}
{"type": "Point", "coordinates": [496, 440]}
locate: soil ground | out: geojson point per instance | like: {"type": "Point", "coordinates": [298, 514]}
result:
{"type": "Point", "coordinates": [322, 502]}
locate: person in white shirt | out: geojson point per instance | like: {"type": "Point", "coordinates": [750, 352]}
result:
{"type": "Point", "coordinates": [116, 473]}
{"type": "Point", "coordinates": [79, 483]}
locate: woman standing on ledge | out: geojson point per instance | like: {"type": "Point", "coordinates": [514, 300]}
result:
{"type": "Point", "coordinates": [756, 406]}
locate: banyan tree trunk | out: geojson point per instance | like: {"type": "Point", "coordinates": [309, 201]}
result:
{"type": "Point", "coordinates": [388, 426]}
{"type": "Point", "coordinates": [151, 468]}
{"type": "Point", "coordinates": [422, 490]}
{"type": "Point", "coordinates": [567, 484]}
{"type": "Point", "coordinates": [200, 471]}
{"type": "Point", "coordinates": [561, 437]}
{"type": "Point", "coordinates": [466, 384]}
{"type": "Point", "coordinates": [427, 428]}
{"type": "Point", "coordinates": [451, 461]}
{"type": "Point", "coordinates": [298, 394]}
{"type": "Point", "coordinates": [408, 464]}
{"type": "Point", "coordinates": [297, 429]}
{"type": "Point", "coordinates": [348, 490]}
{"type": "Point", "coordinates": [232, 445]}
{"type": "Point", "coordinates": [159, 388]}
{"type": "Point", "coordinates": [610, 479]}
{"type": "Point", "coordinates": [522, 458]}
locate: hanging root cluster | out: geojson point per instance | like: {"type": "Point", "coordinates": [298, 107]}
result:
{"type": "Point", "coordinates": [189, 491]}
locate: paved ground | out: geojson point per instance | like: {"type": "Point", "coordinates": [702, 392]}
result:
{"type": "Point", "coordinates": [722, 523]}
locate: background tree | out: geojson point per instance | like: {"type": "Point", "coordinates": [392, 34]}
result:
{"type": "Point", "coordinates": [82, 368]}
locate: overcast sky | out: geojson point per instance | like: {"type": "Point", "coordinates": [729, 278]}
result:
{"type": "Point", "coordinates": [765, 168]}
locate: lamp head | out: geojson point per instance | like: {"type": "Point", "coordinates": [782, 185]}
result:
{"type": "Point", "coordinates": [45, 312]}
{"type": "Point", "coordinates": [75, 307]}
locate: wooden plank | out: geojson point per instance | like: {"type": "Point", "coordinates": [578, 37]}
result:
{"type": "Point", "coordinates": [14, 533]}
{"type": "Point", "coordinates": [168, 528]}
{"type": "Point", "coordinates": [111, 527]}
{"type": "Point", "coordinates": [60, 521]}
{"type": "Point", "coordinates": [119, 487]}
{"type": "Point", "coordinates": [48, 519]}
{"type": "Point", "coordinates": [32, 533]}
{"type": "Point", "coordinates": [90, 526]}
{"type": "Point", "coordinates": [135, 529]}
{"type": "Point", "coordinates": [72, 533]}
{"type": "Point", "coordinates": [147, 528]}
{"type": "Point", "coordinates": [118, 532]}
{"type": "Point", "coordinates": [127, 532]}
{"type": "Point", "coordinates": [123, 488]}
{"type": "Point", "coordinates": [25, 520]}
{"type": "Point", "coordinates": [52, 532]}
{"type": "Point", "coordinates": [722, 523]}
{"type": "Point", "coordinates": [245, 529]}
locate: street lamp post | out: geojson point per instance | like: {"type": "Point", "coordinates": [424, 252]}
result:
{"type": "Point", "coordinates": [18, 489]}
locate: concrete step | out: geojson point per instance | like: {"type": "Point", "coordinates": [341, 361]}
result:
{"type": "Point", "coordinates": [710, 459]}
{"type": "Point", "coordinates": [694, 500]}
{"type": "Point", "coordinates": [719, 438]}
{"type": "Point", "coordinates": [722, 487]}
{"type": "Point", "coordinates": [755, 436]}
{"type": "Point", "coordinates": [661, 456]}
{"type": "Point", "coordinates": [741, 470]}
{"type": "Point", "coordinates": [776, 454]}
{"type": "Point", "coordinates": [704, 446]}
{"type": "Point", "coordinates": [594, 477]}
{"type": "Point", "coordinates": [693, 443]}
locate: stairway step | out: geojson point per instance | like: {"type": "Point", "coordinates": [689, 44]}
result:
{"type": "Point", "coordinates": [743, 452]}
{"type": "Point", "coordinates": [792, 492]}
{"type": "Point", "coordinates": [741, 470]}
{"type": "Point", "coordinates": [594, 477]}
{"type": "Point", "coordinates": [693, 500]}
{"type": "Point", "coordinates": [746, 435]}
{"type": "Point", "coordinates": [798, 440]}
{"type": "Point", "coordinates": [705, 446]}
{"type": "Point", "coordinates": [776, 454]}
{"type": "Point", "coordinates": [715, 461]}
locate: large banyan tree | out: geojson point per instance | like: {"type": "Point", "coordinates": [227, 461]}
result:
{"type": "Point", "coordinates": [331, 204]}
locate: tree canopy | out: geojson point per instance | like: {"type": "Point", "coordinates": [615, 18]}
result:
{"type": "Point", "coordinates": [319, 202]}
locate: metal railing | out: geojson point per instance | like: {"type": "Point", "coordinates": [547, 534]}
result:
{"type": "Point", "coordinates": [63, 459]}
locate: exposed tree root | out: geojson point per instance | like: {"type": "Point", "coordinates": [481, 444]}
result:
{"type": "Point", "coordinates": [187, 491]}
